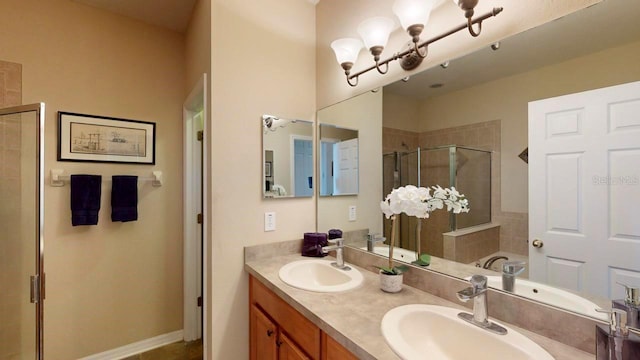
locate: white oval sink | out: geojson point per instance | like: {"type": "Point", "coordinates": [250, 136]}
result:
{"type": "Point", "coordinates": [399, 254]}
{"type": "Point", "coordinates": [550, 295]}
{"type": "Point", "coordinates": [433, 332]}
{"type": "Point", "coordinates": [319, 275]}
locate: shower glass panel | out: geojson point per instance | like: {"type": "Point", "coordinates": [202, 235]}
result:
{"type": "Point", "coordinates": [436, 170]}
{"type": "Point", "coordinates": [21, 185]}
{"type": "Point", "coordinates": [474, 179]}
{"type": "Point", "coordinates": [468, 169]}
{"type": "Point", "coordinates": [400, 169]}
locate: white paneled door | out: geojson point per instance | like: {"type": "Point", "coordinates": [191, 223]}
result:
{"type": "Point", "coordinates": [345, 167]}
{"type": "Point", "coordinates": [303, 167]}
{"type": "Point", "coordinates": [584, 190]}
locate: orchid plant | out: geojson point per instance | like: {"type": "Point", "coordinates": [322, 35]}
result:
{"type": "Point", "coordinates": [418, 202]}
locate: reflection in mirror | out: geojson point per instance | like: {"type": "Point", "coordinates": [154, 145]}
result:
{"type": "Point", "coordinates": [448, 166]}
{"type": "Point", "coordinates": [338, 163]}
{"type": "Point", "coordinates": [352, 213]}
{"type": "Point", "coordinates": [287, 153]}
{"type": "Point", "coordinates": [481, 101]}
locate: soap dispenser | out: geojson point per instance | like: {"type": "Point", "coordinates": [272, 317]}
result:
{"type": "Point", "coordinates": [615, 342]}
{"type": "Point", "coordinates": [630, 305]}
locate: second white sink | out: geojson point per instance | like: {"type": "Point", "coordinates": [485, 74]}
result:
{"type": "Point", "coordinates": [399, 254]}
{"type": "Point", "coordinates": [320, 276]}
{"type": "Point", "coordinates": [433, 332]}
{"type": "Point", "coordinates": [550, 295]}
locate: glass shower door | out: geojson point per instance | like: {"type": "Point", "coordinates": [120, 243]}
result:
{"type": "Point", "coordinates": [21, 242]}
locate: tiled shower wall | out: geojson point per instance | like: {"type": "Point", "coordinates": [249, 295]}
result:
{"type": "Point", "coordinates": [486, 136]}
{"type": "Point", "coordinates": [12, 279]}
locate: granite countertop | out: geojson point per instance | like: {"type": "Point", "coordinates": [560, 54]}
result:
{"type": "Point", "coordinates": [353, 317]}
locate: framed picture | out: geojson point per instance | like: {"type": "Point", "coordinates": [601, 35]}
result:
{"type": "Point", "coordinates": [267, 168]}
{"type": "Point", "coordinates": [105, 139]}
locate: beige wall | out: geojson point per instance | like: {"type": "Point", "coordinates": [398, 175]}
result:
{"type": "Point", "coordinates": [115, 283]}
{"type": "Point", "coordinates": [362, 113]}
{"type": "Point", "coordinates": [338, 19]}
{"type": "Point", "coordinates": [263, 61]}
{"type": "Point", "coordinates": [198, 44]}
{"type": "Point", "coordinates": [400, 113]}
{"type": "Point", "coordinates": [198, 62]}
{"type": "Point", "coordinates": [507, 99]}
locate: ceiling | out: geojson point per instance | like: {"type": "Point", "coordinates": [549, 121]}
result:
{"type": "Point", "coordinates": [170, 14]}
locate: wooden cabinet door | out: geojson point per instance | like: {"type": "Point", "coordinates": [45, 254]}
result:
{"type": "Point", "coordinates": [332, 350]}
{"type": "Point", "coordinates": [299, 329]}
{"type": "Point", "coordinates": [288, 350]}
{"type": "Point", "coordinates": [263, 333]}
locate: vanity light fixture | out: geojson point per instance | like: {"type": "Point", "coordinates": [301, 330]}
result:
{"type": "Point", "coordinates": [272, 123]}
{"type": "Point", "coordinates": [414, 16]}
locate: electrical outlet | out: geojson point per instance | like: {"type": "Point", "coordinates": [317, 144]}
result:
{"type": "Point", "coordinates": [269, 221]}
{"type": "Point", "coordinates": [352, 213]}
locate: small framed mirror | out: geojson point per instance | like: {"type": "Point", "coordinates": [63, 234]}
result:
{"type": "Point", "coordinates": [338, 162]}
{"type": "Point", "coordinates": [287, 154]}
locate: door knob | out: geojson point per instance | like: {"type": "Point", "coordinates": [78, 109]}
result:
{"type": "Point", "coordinates": [537, 243]}
{"type": "Point", "coordinates": [269, 333]}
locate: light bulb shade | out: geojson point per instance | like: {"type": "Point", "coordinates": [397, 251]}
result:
{"type": "Point", "coordinates": [413, 12]}
{"type": "Point", "coordinates": [466, 4]}
{"type": "Point", "coordinates": [346, 49]}
{"type": "Point", "coordinates": [375, 31]}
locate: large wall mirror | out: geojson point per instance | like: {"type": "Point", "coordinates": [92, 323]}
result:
{"type": "Point", "coordinates": [478, 104]}
{"type": "Point", "coordinates": [287, 153]}
{"type": "Point", "coordinates": [338, 160]}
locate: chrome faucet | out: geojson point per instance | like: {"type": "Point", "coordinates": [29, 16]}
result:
{"type": "Point", "coordinates": [338, 246]}
{"type": "Point", "coordinates": [511, 269]}
{"type": "Point", "coordinates": [372, 239]}
{"type": "Point", "coordinates": [480, 317]}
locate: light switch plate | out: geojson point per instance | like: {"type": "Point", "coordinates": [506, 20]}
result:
{"type": "Point", "coordinates": [269, 221]}
{"type": "Point", "coordinates": [352, 213]}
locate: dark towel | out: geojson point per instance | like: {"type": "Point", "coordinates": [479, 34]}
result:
{"type": "Point", "coordinates": [85, 199]}
{"type": "Point", "coordinates": [124, 198]}
{"type": "Point", "coordinates": [313, 243]}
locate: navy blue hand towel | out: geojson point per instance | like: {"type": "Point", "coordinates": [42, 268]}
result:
{"type": "Point", "coordinates": [85, 199]}
{"type": "Point", "coordinates": [124, 198]}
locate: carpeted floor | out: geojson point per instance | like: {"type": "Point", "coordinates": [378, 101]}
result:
{"type": "Point", "coordinates": [176, 351]}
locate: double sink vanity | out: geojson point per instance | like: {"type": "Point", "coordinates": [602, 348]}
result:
{"type": "Point", "coordinates": [314, 310]}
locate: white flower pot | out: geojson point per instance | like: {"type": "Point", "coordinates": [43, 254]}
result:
{"type": "Point", "coordinates": [390, 283]}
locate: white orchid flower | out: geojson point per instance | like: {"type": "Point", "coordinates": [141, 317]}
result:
{"type": "Point", "coordinates": [439, 193]}
{"type": "Point", "coordinates": [418, 201]}
{"type": "Point", "coordinates": [386, 209]}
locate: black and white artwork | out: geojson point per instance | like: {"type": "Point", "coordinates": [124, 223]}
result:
{"type": "Point", "coordinates": [105, 139]}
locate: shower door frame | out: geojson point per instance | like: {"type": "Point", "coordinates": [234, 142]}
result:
{"type": "Point", "coordinates": [38, 280]}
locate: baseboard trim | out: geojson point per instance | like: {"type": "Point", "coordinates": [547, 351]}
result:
{"type": "Point", "coordinates": [138, 347]}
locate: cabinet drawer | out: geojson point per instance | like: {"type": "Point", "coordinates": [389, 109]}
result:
{"type": "Point", "coordinates": [297, 327]}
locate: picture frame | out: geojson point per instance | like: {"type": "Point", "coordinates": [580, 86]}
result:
{"type": "Point", "coordinates": [92, 138]}
{"type": "Point", "coordinates": [267, 169]}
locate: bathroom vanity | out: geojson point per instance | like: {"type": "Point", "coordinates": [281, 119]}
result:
{"type": "Point", "coordinates": [342, 325]}
{"type": "Point", "coordinates": [278, 331]}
